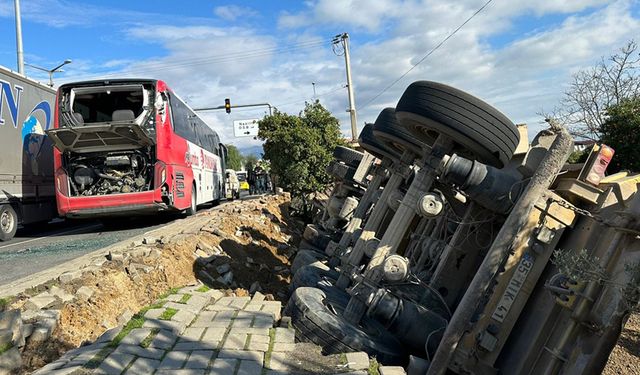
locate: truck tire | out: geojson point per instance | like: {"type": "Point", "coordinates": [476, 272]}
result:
{"type": "Point", "coordinates": [348, 156]}
{"type": "Point", "coordinates": [392, 134]}
{"type": "Point", "coordinates": [8, 222]}
{"type": "Point", "coordinates": [315, 275]}
{"type": "Point", "coordinates": [369, 143]}
{"type": "Point", "coordinates": [316, 316]}
{"type": "Point", "coordinates": [428, 109]}
{"type": "Point", "coordinates": [304, 257]}
{"type": "Point", "coordinates": [341, 171]}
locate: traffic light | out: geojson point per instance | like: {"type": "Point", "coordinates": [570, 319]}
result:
{"type": "Point", "coordinates": [227, 105]}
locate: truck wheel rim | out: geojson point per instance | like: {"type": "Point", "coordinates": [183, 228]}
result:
{"type": "Point", "coordinates": [6, 221]}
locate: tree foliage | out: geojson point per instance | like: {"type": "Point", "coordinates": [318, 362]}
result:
{"type": "Point", "coordinates": [299, 148]}
{"type": "Point", "coordinates": [592, 91]}
{"type": "Point", "coordinates": [234, 158]}
{"type": "Point", "coordinates": [250, 162]}
{"type": "Point", "coordinates": [621, 130]}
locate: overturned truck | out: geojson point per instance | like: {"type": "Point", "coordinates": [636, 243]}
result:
{"type": "Point", "coordinates": [452, 245]}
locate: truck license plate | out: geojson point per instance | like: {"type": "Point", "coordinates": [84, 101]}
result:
{"type": "Point", "coordinates": [515, 284]}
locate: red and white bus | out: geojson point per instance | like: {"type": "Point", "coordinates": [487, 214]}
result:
{"type": "Point", "coordinates": [132, 146]}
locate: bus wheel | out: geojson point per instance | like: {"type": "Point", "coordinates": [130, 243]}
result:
{"type": "Point", "coordinates": [8, 222]}
{"type": "Point", "coordinates": [193, 208]}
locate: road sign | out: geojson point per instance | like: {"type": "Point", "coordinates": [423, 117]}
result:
{"type": "Point", "coordinates": [245, 128]}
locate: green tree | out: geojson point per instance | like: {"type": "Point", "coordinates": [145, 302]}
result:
{"type": "Point", "coordinates": [250, 162]}
{"type": "Point", "coordinates": [234, 158]}
{"type": "Point", "coordinates": [621, 131]}
{"type": "Point", "coordinates": [299, 148]}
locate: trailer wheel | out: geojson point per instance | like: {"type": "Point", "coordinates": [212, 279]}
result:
{"type": "Point", "coordinates": [348, 156]}
{"type": "Point", "coordinates": [369, 143]}
{"type": "Point", "coordinates": [392, 134]}
{"type": "Point", "coordinates": [341, 171]}
{"type": "Point", "coordinates": [8, 222]}
{"type": "Point", "coordinates": [194, 199]}
{"type": "Point", "coordinates": [316, 316]}
{"type": "Point", "coordinates": [304, 257]}
{"type": "Point", "coordinates": [315, 275]}
{"type": "Point", "coordinates": [428, 109]}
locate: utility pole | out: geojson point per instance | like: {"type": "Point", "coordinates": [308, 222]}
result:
{"type": "Point", "coordinates": [344, 40]}
{"type": "Point", "coordinates": [19, 37]}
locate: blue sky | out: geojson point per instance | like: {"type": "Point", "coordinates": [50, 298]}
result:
{"type": "Point", "coordinates": [517, 55]}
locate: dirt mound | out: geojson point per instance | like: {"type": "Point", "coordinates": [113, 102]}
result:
{"type": "Point", "coordinates": [251, 238]}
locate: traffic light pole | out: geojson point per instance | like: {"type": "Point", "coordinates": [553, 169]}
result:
{"type": "Point", "coordinates": [236, 106]}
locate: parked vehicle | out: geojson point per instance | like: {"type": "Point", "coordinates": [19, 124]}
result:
{"type": "Point", "coordinates": [233, 185]}
{"type": "Point", "coordinates": [470, 251]}
{"type": "Point", "coordinates": [242, 177]}
{"type": "Point", "coordinates": [132, 146]}
{"type": "Point", "coordinates": [26, 163]}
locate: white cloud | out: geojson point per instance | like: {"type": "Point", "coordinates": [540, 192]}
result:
{"type": "Point", "coordinates": [233, 12]}
{"type": "Point", "coordinates": [205, 64]}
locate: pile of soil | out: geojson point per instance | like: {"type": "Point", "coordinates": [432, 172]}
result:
{"type": "Point", "coordinates": [252, 236]}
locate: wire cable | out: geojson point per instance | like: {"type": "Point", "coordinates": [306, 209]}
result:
{"type": "Point", "coordinates": [427, 55]}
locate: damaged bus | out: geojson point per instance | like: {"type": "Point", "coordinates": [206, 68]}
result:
{"type": "Point", "coordinates": [129, 147]}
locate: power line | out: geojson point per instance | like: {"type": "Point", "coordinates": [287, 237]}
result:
{"type": "Point", "coordinates": [428, 54]}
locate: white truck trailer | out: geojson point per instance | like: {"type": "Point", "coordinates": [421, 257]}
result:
{"type": "Point", "coordinates": [27, 195]}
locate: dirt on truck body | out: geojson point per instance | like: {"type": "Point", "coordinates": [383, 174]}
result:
{"type": "Point", "coordinates": [466, 249]}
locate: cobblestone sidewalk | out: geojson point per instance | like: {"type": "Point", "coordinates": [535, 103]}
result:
{"type": "Point", "coordinates": [195, 331]}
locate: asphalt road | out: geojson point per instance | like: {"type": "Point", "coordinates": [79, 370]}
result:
{"type": "Point", "coordinates": [31, 251]}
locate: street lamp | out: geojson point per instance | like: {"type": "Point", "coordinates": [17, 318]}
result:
{"type": "Point", "coordinates": [314, 89]}
{"type": "Point", "coordinates": [51, 71]}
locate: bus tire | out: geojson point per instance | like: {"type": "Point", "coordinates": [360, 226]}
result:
{"type": "Point", "coordinates": [194, 199]}
{"type": "Point", "coordinates": [8, 222]}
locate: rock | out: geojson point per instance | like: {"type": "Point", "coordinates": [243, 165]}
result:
{"type": "Point", "coordinates": [39, 335]}
{"type": "Point", "coordinates": [139, 252]}
{"type": "Point", "coordinates": [141, 267]}
{"type": "Point", "coordinates": [84, 293]}
{"type": "Point", "coordinates": [6, 337]}
{"type": "Point", "coordinates": [204, 246]}
{"type": "Point", "coordinates": [39, 302]}
{"type": "Point", "coordinates": [255, 287]}
{"type": "Point", "coordinates": [48, 323]}
{"type": "Point", "coordinates": [12, 321]}
{"type": "Point", "coordinates": [238, 233]}
{"type": "Point", "coordinates": [223, 268]}
{"type": "Point", "coordinates": [154, 254]}
{"type": "Point", "coordinates": [67, 277]}
{"type": "Point", "coordinates": [137, 243]}
{"type": "Point", "coordinates": [279, 191]}
{"type": "Point", "coordinates": [60, 293]}
{"type": "Point", "coordinates": [249, 260]}
{"type": "Point", "coordinates": [149, 240]}
{"type": "Point", "coordinates": [27, 330]}
{"type": "Point", "coordinates": [10, 361]}
{"type": "Point", "coordinates": [200, 254]}
{"type": "Point", "coordinates": [125, 317]}
{"type": "Point", "coordinates": [115, 256]}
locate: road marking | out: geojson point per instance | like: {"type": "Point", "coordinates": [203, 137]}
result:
{"type": "Point", "coordinates": [52, 234]}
